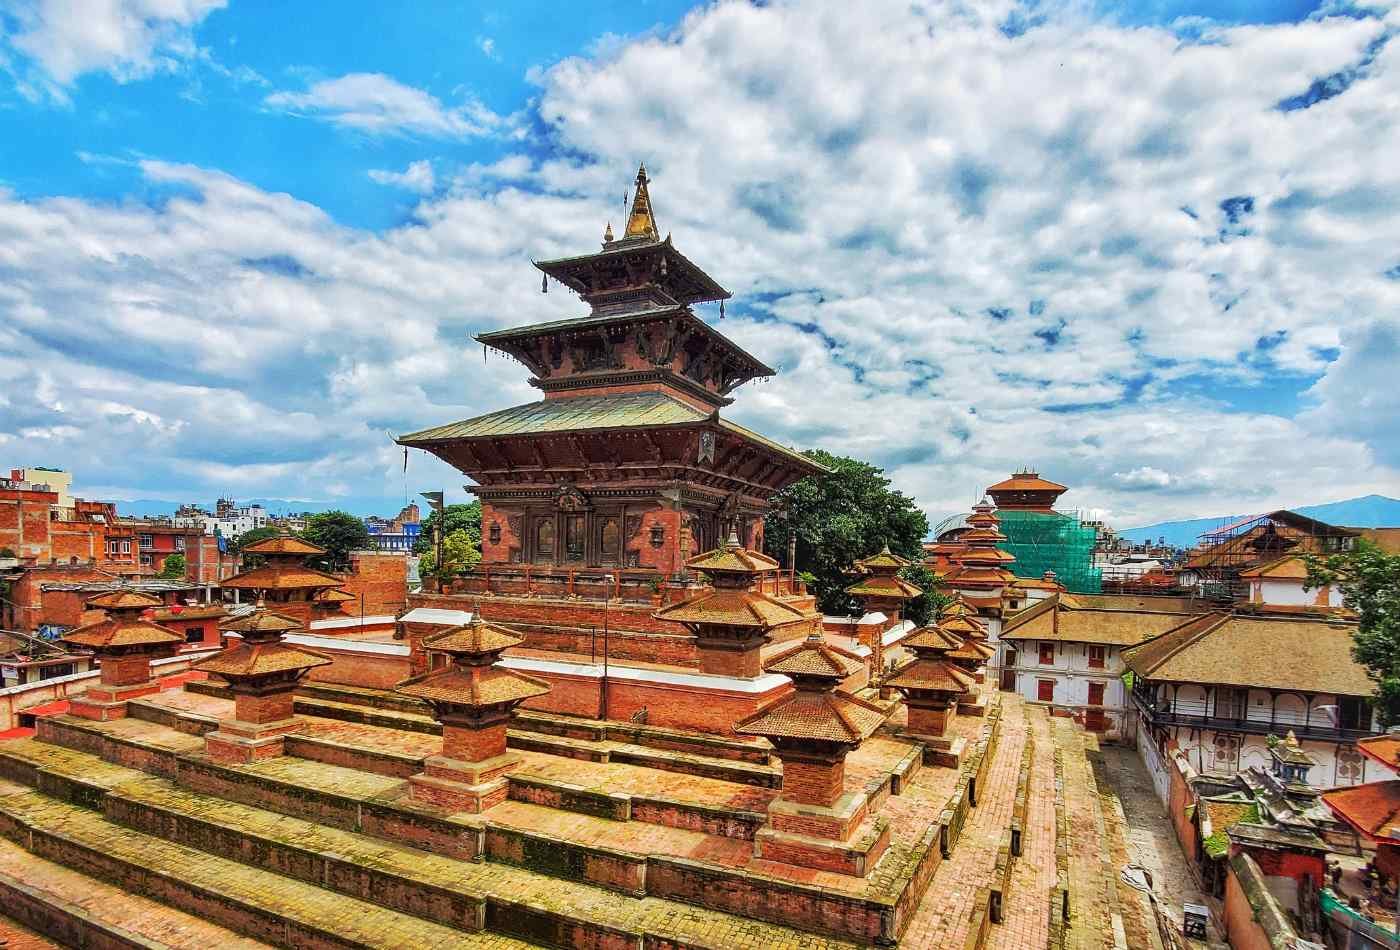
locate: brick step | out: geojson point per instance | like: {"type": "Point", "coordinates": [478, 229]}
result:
{"type": "Point", "coordinates": [723, 767]}
{"type": "Point", "coordinates": [81, 911]}
{"type": "Point", "coordinates": [513, 900]}
{"type": "Point", "coordinates": [260, 904]}
{"type": "Point", "coordinates": [690, 866]}
{"type": "Point", "coordinates": [757, 751]}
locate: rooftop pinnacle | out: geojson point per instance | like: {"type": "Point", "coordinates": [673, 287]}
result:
{"type": "Point", "coordinates": [640, 223]}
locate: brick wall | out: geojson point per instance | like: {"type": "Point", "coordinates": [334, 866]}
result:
{"type": "Point", "coordinates": [381, 578]}
{"type": "Point", "coordinates": [670, 706]}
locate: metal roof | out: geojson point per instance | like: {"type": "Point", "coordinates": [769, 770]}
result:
{"type": "Point", "coordinates": [568, 415]}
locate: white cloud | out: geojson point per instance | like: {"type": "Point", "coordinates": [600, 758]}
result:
{"type": "Point", "coordinates": [487, 45]}
{"type": "Point", "coordinates": [130, 39]}
{"type": "Point", "coordinates": [418, 176]}
{"type": "Point", "coordinates": [378, 105]}
{"type": "Point", "coordinates": [965, 251]}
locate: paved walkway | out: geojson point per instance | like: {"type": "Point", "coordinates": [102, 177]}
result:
{"type": "Point", "coordinates": [1150, 839]}
{"type": "Point", "coordinates": [1027, 917]}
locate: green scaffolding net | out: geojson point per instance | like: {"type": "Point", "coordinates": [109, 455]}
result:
{"type": "Point", "coordinates": [1043, 542]}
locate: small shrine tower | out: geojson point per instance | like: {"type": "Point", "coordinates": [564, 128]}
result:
{"type": "Point", "coordinates": [285, 582]}
{"type": "Point", "coordinates": [816, 822]}
{"type": "Point", "coordinates": [931, 683]}
{"type": "Point", "coordinates": [732, 620]}
{"type": "Point", "coordinates": [263, 674]}
{"type": "Point", "coordinates": [473, 699]}
{"type": "Point", "coordinates": [881, 589]}
{"type": "Point", "coordinates": [125, 645]}
{"type": "Point", "coordinates": [1026, 491]}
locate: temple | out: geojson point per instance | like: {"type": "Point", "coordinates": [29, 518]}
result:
{"type": "Point", "coordinates": [626, 463]}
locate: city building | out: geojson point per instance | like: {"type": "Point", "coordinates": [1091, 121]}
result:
{"type": "Point", "coordinates": [398, 534]}
{"type": "Point", "coordinates": [230, 520]}
{"type": "Point", "coordinates": [1218, 686]}
{"type": "Point", "coordinates": [1215, 568]}
{"type": "Point", "coordinates": [1067, 654]}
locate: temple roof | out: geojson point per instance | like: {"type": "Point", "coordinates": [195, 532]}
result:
{"type": "Point", "coordinates": [258, 622]}
{"type": "Point", "coordinates": [124, 599]}
{"type": "Point", "coordinates": [281, 576]}
{"type": "Point", "coordinates": [814, 657]}
{"type": "Point", "coordinates": [284, 544]}
{"type": "Point", "coordinates": [121, 631]}
{"type": "Point", "coordinates": [732, 558]}
{"type": "Point", "coordinates": [261, 658]}
{"type": "Point", "coordinates": [732, 607]}
{"type": "Point", "coordinates": [1026, 481]}
{"type": "Point", "coordinates": [332, 596]}
{"type": "Point", "coordinates": [475, 686]}
{"type": "Point", "coordinates": [831, 717]}
{"type": "Point", "coordinates": [1061, 619]}
{"type": "Point", "coordinates": [931, 639]}
{"type": "Point", "coordinates": [1303, 655]}
{"type": "Point", "coordinates": [932, 674]}
{"type": "Point", "coordinates": [585, 413]}
{"type": "Point", "coordinates": [196, 612]}
{"type": "Point", "coordinates": [886, 560]}
{"type": "Point", "coordinates": [884, 585]}
{"type": "Point", "coordinates": [476, 637]}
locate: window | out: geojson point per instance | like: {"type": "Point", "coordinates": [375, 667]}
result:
{"type": "Point", "coordinates": [544, 539]}
{"type": "Point", "coordinates": [194, 634]}
{"type": "Point", "coordinates": [1012, 658]}
{"type": "Point", "coordinates": [148, 559]}
{"type": "Point", "coordinates": [58, 669]}
{"type": "Point", "coordinates": [126, 547]}
{"type": "Point", "coordinates": [1047, 653]}
{"type": "Point", "coordinates": [573, 537]}
{"type": "Point", "coordinates": [1095, 694]}
{"type": "Point", "coordinates": [147, 541]}
{"type": "Point", "coordinates": [609, 536]}
{"type": "Point", "coordinates": [1353, 713]}
{"type": "Point", "coordinates": [1045, 690]}
{"type": "Point", "coordinates": [1096, 655]}
{"type": "Point", "coordinates": [179, 544]}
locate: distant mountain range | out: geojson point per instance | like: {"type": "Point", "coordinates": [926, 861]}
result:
{"type": "Point", "coordinates": [361, 506]}
{"type": "Point", "coordinates": [1368, 511]}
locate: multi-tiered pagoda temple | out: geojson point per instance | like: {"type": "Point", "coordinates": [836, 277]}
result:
{"type": "Point", "coordinates": [626, 463]}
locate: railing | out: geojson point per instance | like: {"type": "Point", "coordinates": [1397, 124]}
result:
{"type": "Point", "coordinates": [1348, 919]}
{"type": "Point", "coordinates": [1301, 729]}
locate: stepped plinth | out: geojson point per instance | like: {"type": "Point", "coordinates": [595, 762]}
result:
{"type": "Point", "coordinates": [473, 699]}
{"type": "Point", "coordinates": [125, 645]}
{"type": "Point", "coordinates": [262, 673]}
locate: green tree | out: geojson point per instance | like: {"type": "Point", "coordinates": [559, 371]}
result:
{"type": "Point", "coordinates": [839, 517]}
{"type": "Point", "coordinates": [1369, 580]}
{"type": "Point", "coordinates": [339, 532]}
{"type": "Point", "coordinates": [927, 606]}
{"type": "Point", "coordinates": [454, 518]}
{"type": "Point", "coordinates": [174, 566]}
{"type": "Point", "coordinates": [460, 552]}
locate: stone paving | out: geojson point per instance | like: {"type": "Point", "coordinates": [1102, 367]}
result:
{"type": "Point", "coordinates": [1150, 839]}
{"type": "Point", "coordinates": [1027, 918]}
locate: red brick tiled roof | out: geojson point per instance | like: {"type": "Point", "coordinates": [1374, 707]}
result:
{"type": "Point", "coordinates": [932, 674]}
{"type": "Point", "coordinates": [1372, 809]}
{"type": "Point", "coordinates": [828, 716]}
{"type": "Point", "coordinates": [252, 659]}
{"type": "Point", "coordinates": [284, 544]}
{"type": "Point", "coordinates": [475, 686]}
{"type": "Point", "coordinates": [738, 608]}
{"type": "Point", "coordinates": [815, 657]}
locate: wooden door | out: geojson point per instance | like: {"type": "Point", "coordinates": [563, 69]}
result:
{"type": "Point", "coordinates": [1045, 690]}
{"type": "Point", "coordinates": [1095, 694]}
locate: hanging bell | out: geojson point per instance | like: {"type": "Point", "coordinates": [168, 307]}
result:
{"type": "Point", "coordinates": [721, 309]}
{"type": "Point", "coordinates": [544, 283]}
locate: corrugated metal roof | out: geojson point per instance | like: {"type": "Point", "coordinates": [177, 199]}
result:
{"type": "Point", "coordinates": [568, 415]}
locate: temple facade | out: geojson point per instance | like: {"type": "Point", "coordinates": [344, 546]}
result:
{"type": "Point", "coordinates": [626, 464]}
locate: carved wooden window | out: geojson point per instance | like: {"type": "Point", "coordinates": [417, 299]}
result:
{"type": "Point", "coordinates": [544, 539]}
{"type": "Point", "coordinates": [573, 537]}
{"type": "Point", "coordinates": [1096, 657]}
{"type": "Point", "coordinates": [609, 539]}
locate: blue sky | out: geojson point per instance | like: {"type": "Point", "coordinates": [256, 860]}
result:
{"type": "Point", "coordinates": [1147, 247]}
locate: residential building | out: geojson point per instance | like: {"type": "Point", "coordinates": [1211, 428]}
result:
{"type": "Point", "coordinates": [1220, 685]}
{"type": "Point", "coordinates": [229, 520]}
{"type": "Point", "coordinates": [1214, 568]}
{"type": "Point", "coordinates": [1283, 583]}
{"type": "Point", "coordinates": [1066, 653]}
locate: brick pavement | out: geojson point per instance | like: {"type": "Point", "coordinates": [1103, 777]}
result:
{"type": "Point", "coordinates": [1026, 920]}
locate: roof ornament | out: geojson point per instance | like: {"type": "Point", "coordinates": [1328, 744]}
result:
{"type": "Point", "coordinates": [607, 234]}
{"type": "Point", "coordinates": [640, 222]}
{"type": "Point", "coordinates": [544, 283]}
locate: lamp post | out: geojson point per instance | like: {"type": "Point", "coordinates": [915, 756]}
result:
{"type": "Point", "coordinates": [608, 581]}
{"type": "Point", "coordinates": [435, 502]}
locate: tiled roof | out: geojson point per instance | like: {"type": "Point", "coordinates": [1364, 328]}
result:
{"type": "Point", "coordinates": [252, 659]}
{"type": "Point", "coordinates": [885, 560]}
{"type": "Point", "coordinates": [814, 657]}
{"type": "Point", "coordinates": [1110, 627]}
{"type": "Point", "coordinates": [833, 717]}
{"type": "Point", "coordinates": [476, 686]}
{"type": "Point", "coordinates": [974, 650]}
{"type": "Point", "coordinates": [197, 612]}
{"type": "Point", "coordinates": [332, 596]}
{"type": "Point", "coordinates": [884, 585]}
{"type": "Point", "coordinates": [737, 608]}
{"type": "Point", "coordinates": [1373, 808]}
{"type": "Point", "coordinates": [284, 544]}
{"type": "Point", "coordinates": [731, 558]}
{"type": "Point", "coordinates": [1305, 655]}
{"type": "Point", "coordinates": [1385, 749]}
{"type": "Point", "coordinates": [931, 639]}
{"type": "Point", "coordinates": [1287, 568]}
{"type": "Point", "coordinates": [1026, 481]}
{"type": "Point", "coordinates": [474, 638]}
{"type": "Point", "coordinates": [261, 622]}
{"type": "Point", "coordinates": [932, 674]}
{"type": "Point", "coordinates": [123, 599]}
{"type": "Point", "coordinates": [121, 632]}
{"type": "Point", "coordinates": [624, 410]}
{"type": "Point", "coordinates": [283, 576]}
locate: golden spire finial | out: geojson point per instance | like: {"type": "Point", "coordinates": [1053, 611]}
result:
{"type": "Point", "coordinates": [607, 234]}
{"type": "Point", "coordinates": [640, 223]}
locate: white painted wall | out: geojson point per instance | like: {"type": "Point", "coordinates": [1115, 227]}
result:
{"type": "Point", "coordinates": [1267, 590]}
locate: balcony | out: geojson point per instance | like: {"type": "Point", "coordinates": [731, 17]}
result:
{"type": "Point", "coordinates": [1196, 716]}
